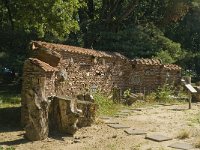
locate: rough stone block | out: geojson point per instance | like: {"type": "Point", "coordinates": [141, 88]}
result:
{"type": "Point", "coordinates": [88, 113]}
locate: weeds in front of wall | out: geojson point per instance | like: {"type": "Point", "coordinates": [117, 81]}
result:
{"type": "Point", "coordinates": [127, 93]}
{"type": "Point", "coordinates": [165, 94]}
{"type": "Point", "coordinates": [105, 105]}
{"type": "Point", "coordinates": [183, 134]}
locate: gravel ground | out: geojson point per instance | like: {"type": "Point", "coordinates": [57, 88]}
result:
{"type": "Point", "coordinates": [171, 121]}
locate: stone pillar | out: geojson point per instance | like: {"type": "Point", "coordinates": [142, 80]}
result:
{"type": "Point", "coordinates": [116, 95]}
{"type": "Point", "coordinates": [37, 107]}
{"type": "Point", "coordinates": [187, 79]}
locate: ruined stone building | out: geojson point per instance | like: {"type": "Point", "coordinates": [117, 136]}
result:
{"type": "Point", "coordinates": [55, 74]}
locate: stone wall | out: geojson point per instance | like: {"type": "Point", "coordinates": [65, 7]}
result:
{"type": "Point", "coordinates": [148, 74]}
{"type": "Point", "coordinates": [57, 70]}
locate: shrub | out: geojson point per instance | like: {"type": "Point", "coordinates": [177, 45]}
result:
{"type": "Point", "coordinates": [105, 105]}
{"type": "Point", "coordinates": [164, 93]}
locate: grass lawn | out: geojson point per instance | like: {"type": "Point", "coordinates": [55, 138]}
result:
{"type": "Point", "coordinates": [10, 95]}
{"type": "Point", "coordinates": [10, 105]}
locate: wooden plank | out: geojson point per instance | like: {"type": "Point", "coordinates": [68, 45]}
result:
{"type": "Point", "coordinates": [190, 88]}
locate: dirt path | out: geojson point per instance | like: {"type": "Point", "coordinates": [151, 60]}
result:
{"type": "Point", "coordinates": [155, 119]}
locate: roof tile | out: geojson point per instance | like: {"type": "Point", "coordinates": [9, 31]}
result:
{"type": "Point", "coordinates": [73, 49]}
{"type": "Point", "coordinates": [46, 67]}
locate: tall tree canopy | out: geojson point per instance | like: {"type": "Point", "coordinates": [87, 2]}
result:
{"type": "Point", "coordinates": [167, 29]}
{"type": "Point", "coordinates": [25, 20]}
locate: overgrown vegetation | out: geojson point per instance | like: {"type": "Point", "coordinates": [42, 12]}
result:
{"type": "Point", "coordinates": [105, 105]}
{"type": "Point", "coordinates": [167, 94]}
{"type": "Point", "coordinates": [7, 148]}
{"type": "Point", "coordinates": [167, 29]}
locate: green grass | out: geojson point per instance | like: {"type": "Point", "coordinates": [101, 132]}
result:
{"type": "Point", "coordinates": [106, 106]}
{"type": "Point", "coordinates": [10, 99]}
{"type": "Point", "coordinates": [165, 95]}
{"type": "Point", "coordinates": [10, 103]}
{"type": "Point", "coordinates": [7, 148]}
{"type": "Point", "coordinates": [9, 95]}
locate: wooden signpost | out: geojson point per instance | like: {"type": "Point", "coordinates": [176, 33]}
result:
{"type": "Point", "coordinates": [191, 90]}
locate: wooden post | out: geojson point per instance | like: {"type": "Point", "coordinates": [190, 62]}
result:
{"type": "Point", "coordinates": [190, 100]}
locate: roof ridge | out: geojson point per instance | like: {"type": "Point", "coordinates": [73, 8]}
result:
{"type": "Point", "coordinates": [43, 65]}
{"type": "Point", "coordinates": [75, 49]}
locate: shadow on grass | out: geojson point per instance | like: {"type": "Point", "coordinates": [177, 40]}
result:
{"type": "Point", "coordinates": [10, 119]}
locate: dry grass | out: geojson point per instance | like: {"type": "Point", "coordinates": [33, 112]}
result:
{"type": "Point", "coordinates": [197, 144]}
{"type": "Point", "coordinates": [183, 134]}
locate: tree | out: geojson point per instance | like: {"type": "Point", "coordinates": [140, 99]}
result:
{"type": "Point", "coordinates": [25, 20]}
{"type": "Point", "coordinates": [45, 17]}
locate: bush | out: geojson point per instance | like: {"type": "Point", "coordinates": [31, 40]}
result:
{"type": "Point", "coordinates": [105, 105]}
{"type": "Point", "coordinates": [164, 94]}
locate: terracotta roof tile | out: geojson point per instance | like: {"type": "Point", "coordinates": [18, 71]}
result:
{"type": "Point", "coordinates": [44, 66]}
{"type": "Point", "coordinates": [172, 67]}
{"type": "Point", "coordinates": [73, 49]}
{"type": "Point", "coordinates": [147, 61]}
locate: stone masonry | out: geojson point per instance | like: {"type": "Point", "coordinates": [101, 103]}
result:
{"type": "Point", "coordinates": [56, 74]}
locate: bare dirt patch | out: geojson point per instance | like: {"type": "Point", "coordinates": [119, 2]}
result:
{"type": "Point", "coordinates": [166, 120]}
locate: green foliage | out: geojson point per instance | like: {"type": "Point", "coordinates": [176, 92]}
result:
{"type": "Point", "coordinates": [165, 29]}
{"type": "Point", "coordinates": [141, 41]}
{"type": "Point", "coordinates": [164, 94]}
{"type": "Point", "coordinates": [127, 93]}
{"type": "Point", "coordinates": [167, 94]}
{"type": "Point", "coordinates": [46, 18]}
{"type": "Point", "coordinates": [105, 105]}
{"type": "Point", "coordinates": [8, 148]}
{"type": "Point", "coordinates": [165, 57]}
{"type": "Point", "coordinates": [10, 99]}
{"type": "Point", "coordinates": [22, 21]}
{"type": "Point", "coordinates": [9, 94]}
